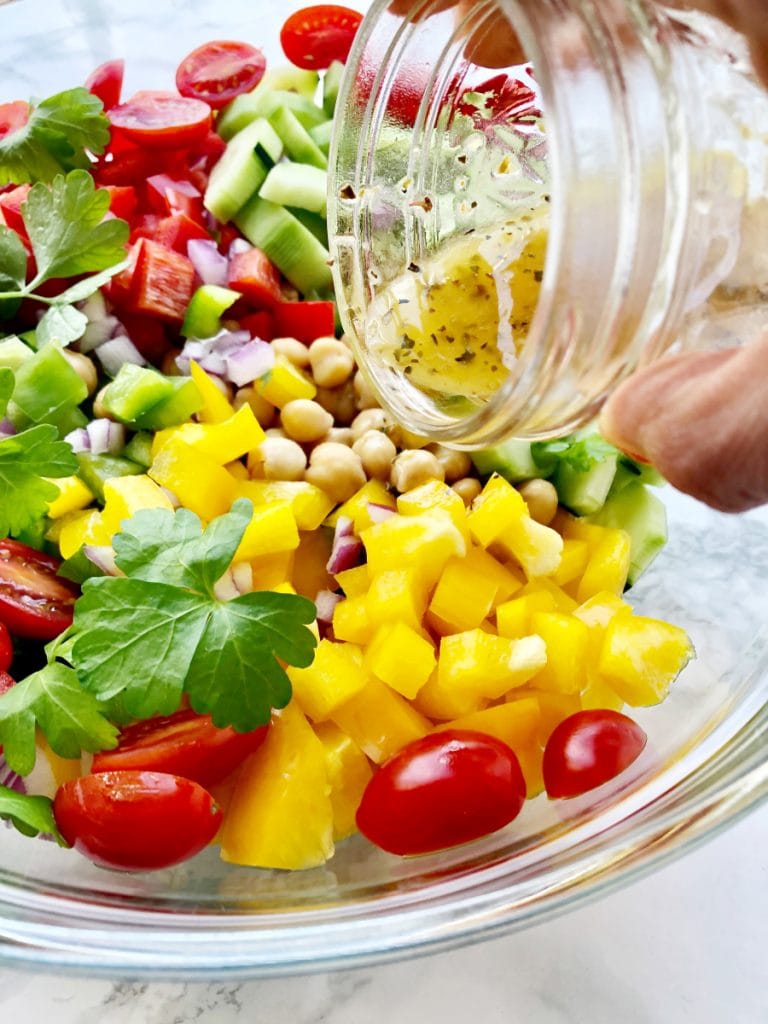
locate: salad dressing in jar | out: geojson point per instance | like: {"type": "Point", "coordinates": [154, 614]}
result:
{"type": "Point", "coordinates": [510, 244]}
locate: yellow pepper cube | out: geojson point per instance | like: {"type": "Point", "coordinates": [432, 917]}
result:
{"type": "Point", "coordinates": [356, 508]}
{"type": "Point", "coordinates": [283, 384]}
{"type": "Point", "coordinates": [310, 566]}
{"type": "Point", "coordinates": [435, 495]}
{"type": "Point", "coordinates": [597, 694]}
{"type": "Point", "coordinates": [573, 561]}
{"type": "Point", "coordinates": [126, 495]}
{"type": "Point", "coordinates": [423, 543]}
{"type": "Point", "coordinates": [272, 529]}
{"type": "Point", "coordinates": [380, 721]}
{"type": "Point", "coordinates": [335, 675]}
{"type": "Point", "coordinates": [270, 571]}
{"type": "Point", "coordinates": [573, 528]}
{"type": "Point", "coordinates": [601, 608]}
{"type": "Point", "coordinates": [608, 566]}
{"type": "Point", "coordinates": [537, 548]}
{"type": "Point", "coordinates": [78, 528]}
{"type": "Point", "coordinates": [498, 506]}
{"type": "Point", "coordinates": [507, 582]}
{"type": "Point", "coordinates": [479, 662]}
{"type": "Point", "coordinates": [224, 442]}
{"type": "Point", "coordinates": [401, 658]}
{"type": "Point", "coordinates": [351, 621]}
{"type": "Point", "coordinates": [280, 814]}
{"type": "Point", "coordinates": [553, 708]}
{"type": "Point", "coordinates": [463, 596]}
{"type": "Point", "coordinates": [216, 408]}
{"type": "Point", "coordinates": [513, 618]}
{"type": "Point", "coordinates": [543, 584]}
{"type": "Point", "coordinates": [349, 772]}
{"type": "Point", "coordinates": [238, 470]}
{"type": "Point", "coordinates": [73, 496]}
{"type": "Point", "coordinates": [397, 595]}
{"type": "Point", "coordinates": [197, 480]}
{"type": "Point", "coordinates": [354, 582]}
{"type": "Point", "coordinates": [567, 640]}
{"type": "Point", "coordinates": [641, 657]}
{"type": "Point", "coordinates": [310, 504]}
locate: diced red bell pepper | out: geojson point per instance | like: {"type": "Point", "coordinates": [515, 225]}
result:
{"type": "Point", "coordinates": [259, 325]}
{"type": "Point", "coordinates": [166, 195]}
{"type": "Point", "coordinates": [177, 230]}
{"type": "Point", "coordinates": [123, 201]}
{"type": "Point", "coordinates": [144, 226]}
{"type": "Point", "coordinates": [106, 82]}
{"type": "Point", "coordinates": [148, 334]}
{"type": "Point", "coordinates": [253, 275]}
{"type": "Point", "coordinates": [304, 321]}
{"type": "Point", "coordinates": [227, 235]}
{"type": "Point", "coordinates": [210, 150]}
{"type": "Point", "coordinates": [10, 209]}
{"type": "Point", "coordinates": [158, 281]}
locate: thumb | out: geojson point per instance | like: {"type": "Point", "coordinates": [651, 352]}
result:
{"type": "Point", "coordinates": [702, 420]}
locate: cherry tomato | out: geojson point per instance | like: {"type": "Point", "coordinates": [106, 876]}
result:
{"type": "Point", "coordinates": [216, 72]}
{"type": "Point", "coordinates": [185, 744]}
{"type": "Point", "coordinates": [106, 82]}
{"type": "Point", "coordinates": [589, 748]}
{"type": "Point", "coordinates": [136, 821]}
{"type": "Point", "coordinates": [13, 116]}
{"type": "Point", "coordinates": [6, 682]}
{"type": "Point", "coordinates": [6, 650]}
{"type": "Point", "coordinates": [315, 37]}
{"type": "Point", "coordinates": [34, 601]}
{"type": "Point", "coordinates": [162, 120]}
{"type": "Point", "coordinates": [443, 790]}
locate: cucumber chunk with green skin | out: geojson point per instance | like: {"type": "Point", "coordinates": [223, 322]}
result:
{"type": "Point", "coordinates": [139, 449]}
{"type": "Point", "coordinates": [628, 471]}
{"type": "Point", "coordinates": [297, 185]}
{"type": "Point", "coordinates": [184, 401]}
{"type": "Point", "coordinates": [245, 109]}
{"type": "Point", "coordinates": [317, 225]}
{"type": "Point", "coordinates": [46, 389]}
{"type": "Point", "coordinates": [205, 309]}
{"type": "Point", "coordinates": [14, 353]}
{"type": "Point", "coordinates": [321, 136]}
{"type": "Point", "coordinates": [512, 459]}
{"type": "Point", "coordinates": [95, 470]}
{"type": "Point", "coordinates": [242, 169]}
{"type": "Point", "coordinates": [331, 85]}
{"type": "Point", "coordinates": [298, 143]}
{"type": "Point", "coordinates": [294, 250]}
{"type": "Point", "coordinates": [636, 509]}
{"type": "Point", "coordinates": [584, 492]}
{"type": "Point", "coordinates": [291, 79]}
{"type": "Point", "coordinates": [134, 391]}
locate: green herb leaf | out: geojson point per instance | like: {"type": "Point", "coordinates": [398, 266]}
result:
{"type": "Point", "coordinates": [581, 452]}
{"type": "Point", "coordinates": [13, 261]}
{"type": "Point", "coordinates": [61, 325]}
{"type": "Point", "coordinates": [70, 719]}
{"type": "Point", "coordinates": [60, 131]}
{"type": "Point", "coordinates": [31, 815]}
{"type": "Point", "coordinates": [25, 460]}
{"type": "Point", "coordinates": [84, 289]}
{"type": "Point", "coordinates": [7, 382]}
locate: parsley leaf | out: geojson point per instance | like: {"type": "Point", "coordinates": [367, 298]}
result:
{"type": "Point", "coordinates": [25, 459]}
{"type": "Point", "coordinates": [30, 815]}
{"type": "Point", "coordinates": [579, 451]}
{"type": "Point", "coordinates": [57, 138]}
{"type": "Point", "coordinates": [7, 382]}
{"type": "Point", "coordinates": [13, 260]}
{"type": "Point", "coordinates": [69, 717]}
{"type": "Point", "coordinates": [159, 631]}
{"type": "Point", "coordinates": [61, 325]}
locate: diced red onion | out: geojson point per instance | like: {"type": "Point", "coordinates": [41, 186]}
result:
{"type": "Point", "coordinates": [378, 513]}
{"type": "Point", "coordinates": [103, 557]}
{"type": "Point", "coordinates": [209, 263]}
{"type": "Point", "coordinates": [97, 332]}
{"type": "Point", "coordinates": [345, 527]}
{"type": "Point", "coordinates": [230, 341]}
{"type": "Point", "coordinates": [250, 362]}
{"type": "Point", "coordinates": [107, 437]}
{"type": "Point", "coordinates": [79, 440]}
{"type": "Point", "coordinates": [242, 575]}
{"type": "Point", "coordinates": [238, 246]}
{"type": "Point", "coordinates": [115, 353]}
{"type": "Point", "coordinates": [325, 602]}
{"type": "Point", "coordinates": [225, 588]}
{"type": "Point", "coordinates": [214, 363]}
{"type": "Point", "coordinates": [9, 778]}
{"type": "Point", "coordinates": [171, 497]}
{"type": "Point", "coordinates": [346, 553]}
{"type": "Point", "coordinates": [7, 429]}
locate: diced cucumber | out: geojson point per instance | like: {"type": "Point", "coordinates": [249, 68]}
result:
{"type": "Point", "coordinates": [298, 143]}
{"type": "Point", "coordinates": [185, 400]}
{"type": "Point", "coordinates": [584, 491]}
{"type": "Point", "coordinates": [203, 318]}
{"type": "Point", "coordinates": [263, 103]}
{"type": "Point", "coordinates": [321, 136]}
{"type": "Point", "coordinates": [292, 79]}
{"type": "Point", "coordinates": [313, 222]}
{"type": "Point", "coordinates": [636, 509]}
{"type": "Point", "coordinates": [331, 84]}
{"type": "Point", "coordinates": [13, 353]}
{"type": "Point", "coordinates": [134, 391]}
{"type": "Point", "coordinates": [292, 247]}
{"type": "Point", "coordinates": [628, 471]}
{"type": "Point", "coordinates": [139, 449]}
{"type": "Point", "coordinates": [95, 470]}
{"type": "Point", "coordinates": [242, 169]}
{"type": "Point", "coordinates": [300, 185]}
{"type": "Point", "coordinates": [47, 387]}
{"type": "Point", "coordinates": [511, 459]}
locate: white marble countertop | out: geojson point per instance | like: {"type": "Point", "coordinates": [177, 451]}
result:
{"type": "Point", "coordinates": [683, 946]}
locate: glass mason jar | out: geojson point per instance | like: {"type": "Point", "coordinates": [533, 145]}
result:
{"type": "Point", "coordinates": [509, 244]}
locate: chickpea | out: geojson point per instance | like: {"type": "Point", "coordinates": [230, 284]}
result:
{"type": "Point", "coordinates": [83, 367]}
{"type": "Point", "coordinates": [369, 419]}
{"type": "Point", "coordinates": [331, 361]}
{"type": "Point", "coordinates": [292, 350]}
{"type": "Point", "coordinates": [335, 469]}
{"type": "Point", "coordinates": [99, 411]}
{"type": "Point", "coordinates": [413, 468]}
{"type": "Point", "coordinates": [305, 421]}
{"type": "Point", "coordinates": [282, 459]}
{"type": "Point", "coordinates": [168, 365]}
{"type": "Point", "coordinates": [541, 498]}
{"type": "Point", "coordinates": [364, 394]}
{"type": "Point", "coordinates": [340, 435]}
{"type": "Point", "coordinates": [339, 402]}
{"type": "Point", "coordinates": [263, 410]}
{"type": "Point", "coordinates": [455, 464]}
{"type": "Point", "coordinates": [468, 489]}
{"type": "Point", "coordinates": [275, 432]}
{"type": "Point", "coordinates": [223, 386]}
{"type": "Point", "coordinates": [377, 453]}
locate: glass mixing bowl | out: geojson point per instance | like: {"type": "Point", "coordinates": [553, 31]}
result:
{"type": "Point", "coordinates": [705, 764]}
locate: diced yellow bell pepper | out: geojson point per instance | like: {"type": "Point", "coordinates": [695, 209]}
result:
{"type": "Point", "coordinates": [567, 640]}
{"type": "Point", "coordinates": [62, 769]}
{"type": "Point", "coordinates": [380, 721]}
{"type": "Point", "coordinates": [197, 480]}
{"type": "Point", "coordinates": [507, 582]}
{"type": "Point", "coordinates": [216, 408]}
{"type": "Point", "coordinates": [310, 572]}
{"type": "Point", "coordinates": [573, 561]}
{"type": "Point", "coordinates": [513, 618]}
{"type": "Point", "coordinates": [608, 566]}
{"type": "Point", "coordinates": [498, 506]}
{"type": "Point", "coordinates": [432, 495]}
{"type": "Point", "coordinates": [310, 504]}
{"type": "Point", "coordinates": [463, 596]}
{"type": "Point", "coordinates": [78, 528]}
{"type": "Point", "coordinates": [73, 496]}
{"type": "Point", "coordinates": [272, 529]}
{"type": "Point", "coordinates": [238, 470]}
{"type": "Point", "coordinates": [270, 571]}
{"type": "Point", "coordinates": [126, 495]}
{"type": "Point", "coordinates": [423, 543]}
{"type": "Point", "coordinates": [349, 772]}
{"type": "Point", "coordinates": [281, 815]}
{"type": "Point", "coordinates": [553, 708]}
{"type": "Point", "coordinates": [563, 602]}
{"type": "Point", "coordinates": [335, 675]}
{"type": "Point", "coordinates": [351, 621]}
{"type": "Point", "coordinates": [401, 658]}
{"type": "Point", "coordinates": [397, 595]}
{"type": "Point", "coordinates": [600, 609]}
{"type": "Point", "coordinates": [598, 694]}
{"type": "Point", "coordinates": [283, 384]}
{"type": "Point", "coordinates": [573, 528]}
{"type": "Point", "coordinates": [641, 657]}
{"type": "Point", "coordinates": [354, 582]}
{"type": "Point", "coordinates": [537, 548]}
{"type": "Point", "coordinates": [356, 508]}
{"type": "Point", "coordinates": [223, 442]}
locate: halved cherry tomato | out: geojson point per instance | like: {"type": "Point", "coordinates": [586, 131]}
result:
{"type": "Point", "coordinates": [13, 116]}
{"type": "Point", "coordinates": [136, 821]}
{"type": "Point", "coordinates": [440, 791]}
{"type": "Point", "coordinates": [123, 201]}
{"type": "Point", "coordinates": [167, 195]}
{"type": "Point", "coordinates": [6, 682]}
{"type": "Point", "coordinates": [253, 274]}
{"type": "Point", "coordinates": [590, 748]}
{"type": "Point", "coordinates": [314, 37]}
{"type": "Point", "coordinates": [6, 649]}
{"type": "Point", "coordinates": [304, 321]}
{"type": "Point", "coordinates": [162, 120]}
{"type": "Point", "coordinates": [106, 82]}
{"type": "Point", "coordinates": [34, 601]}
{"type": "Point", "coordinates": [184, 744]}
{"type": "Point", "coordinates": [10, 209]}
{"type": "Point", "coordinates": [218, 71]}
